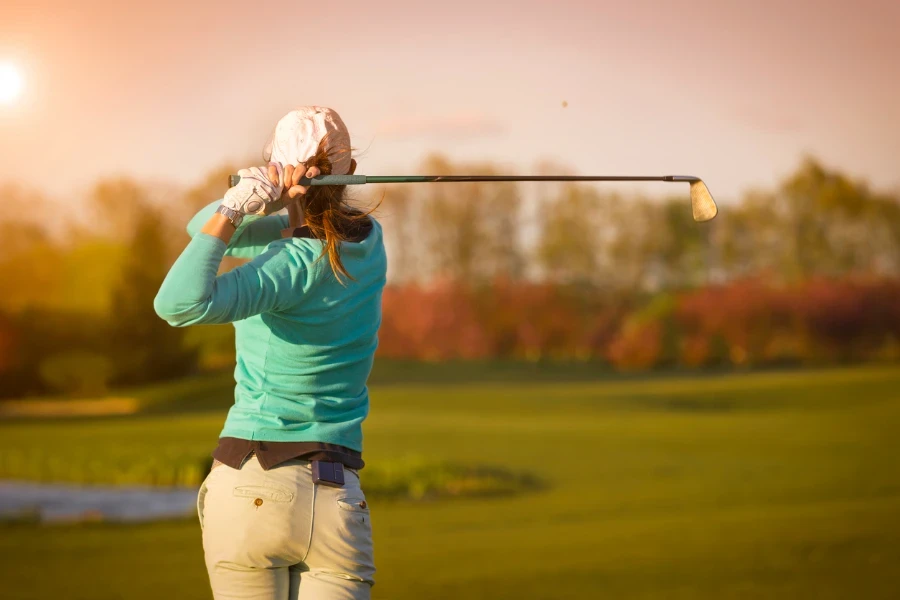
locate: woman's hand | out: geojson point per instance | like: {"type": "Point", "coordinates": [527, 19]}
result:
{"type": "Point", "coordinates": [292, 176]}
{"type": "Point", "coordinates": [256, 193]}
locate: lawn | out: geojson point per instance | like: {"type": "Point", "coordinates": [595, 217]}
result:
{"type": "Point", "coordinates": [771, 485]}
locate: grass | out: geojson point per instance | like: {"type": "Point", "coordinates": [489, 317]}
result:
{"type": "Point", "coordinates": [775, 485]}
{"type": "Point", "coordinates": [407, 478]}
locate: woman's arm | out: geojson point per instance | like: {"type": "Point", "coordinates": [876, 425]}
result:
{"type": "Point", "coordinates": [251, 238]}
{"type": "Point", "coordinates": [192, 294]}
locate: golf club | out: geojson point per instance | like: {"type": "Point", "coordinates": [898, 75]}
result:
{"type": "Point", "coordinates": [702, 204]}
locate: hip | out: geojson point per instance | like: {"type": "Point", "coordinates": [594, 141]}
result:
{"type": "Point", "coordinates": [279, 517]}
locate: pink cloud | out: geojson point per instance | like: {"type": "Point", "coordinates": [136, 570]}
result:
{"type": "Point", "coordinates": [455, 125]}
{"type": "Point", "coordinates": [773, 119]}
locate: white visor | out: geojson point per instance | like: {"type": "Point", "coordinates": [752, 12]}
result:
{"type": "Point", "coordinates": [298, 134]}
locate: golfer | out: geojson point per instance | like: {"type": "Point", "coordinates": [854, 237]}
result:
{"type": "Point", "coordinates": [281, 512]}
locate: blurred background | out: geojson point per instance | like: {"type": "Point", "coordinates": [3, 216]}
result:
{"type": "Point", "coordinates": [579, 392]}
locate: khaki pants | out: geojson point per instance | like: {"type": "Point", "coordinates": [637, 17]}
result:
{"type": "Point", "coordinates": [275, 535]}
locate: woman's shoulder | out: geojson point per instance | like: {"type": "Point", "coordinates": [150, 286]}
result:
{"type": "Point", "coordinates": [296, 250]}
{"type": "Point", "coordinates": [305, 246]}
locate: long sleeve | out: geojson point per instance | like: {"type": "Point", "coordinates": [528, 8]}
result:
{"type": "Point", "coordinates": [192, 293]}
{"type": "Point", "coordinates": [251, 238]}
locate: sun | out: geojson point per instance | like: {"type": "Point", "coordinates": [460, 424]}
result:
{"type": "Point", "coordinates": [10, 83]}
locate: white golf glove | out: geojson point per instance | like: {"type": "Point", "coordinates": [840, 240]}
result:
{"type": "Point", "coordinates": [255, 194]}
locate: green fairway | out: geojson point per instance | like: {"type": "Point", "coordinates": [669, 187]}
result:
{"type": "Point", "coordinates": [778, 485]}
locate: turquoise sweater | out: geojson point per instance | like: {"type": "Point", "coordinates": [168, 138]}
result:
{"type": "Point", "coordinates": [305, 341]}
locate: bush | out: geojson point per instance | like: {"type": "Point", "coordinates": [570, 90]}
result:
{"type": "Point", "coordinates": [744, 323]}
{"type": "Point", "coordinates": [81, 373]}
{"type": "Point", "coordinates": [817, 321]}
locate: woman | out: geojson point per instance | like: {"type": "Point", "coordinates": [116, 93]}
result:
{"type": "Point", "coordinates": [277, 522]}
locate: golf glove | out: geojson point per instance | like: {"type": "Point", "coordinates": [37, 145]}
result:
{"type": "Point", "coordinates": [255, 194]}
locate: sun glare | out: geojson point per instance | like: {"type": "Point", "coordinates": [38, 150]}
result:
{"type": "Point", "coordinates": [10, 83]}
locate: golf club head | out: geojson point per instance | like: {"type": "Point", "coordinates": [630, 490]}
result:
{"type": "Point", "coordinates": [702, 204]}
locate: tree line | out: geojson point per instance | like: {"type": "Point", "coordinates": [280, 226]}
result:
{"type": "Point", "coordinates": [804, 272]}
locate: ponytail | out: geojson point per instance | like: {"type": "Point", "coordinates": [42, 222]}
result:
{"type": "Point", "coordinates": [328, 215]}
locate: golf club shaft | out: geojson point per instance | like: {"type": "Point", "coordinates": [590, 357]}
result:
{"type": "Point", "coordinates": [363, 179]}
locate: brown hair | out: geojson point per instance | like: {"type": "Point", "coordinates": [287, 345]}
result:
{"type": "Point", "coordinates": [327, 213]}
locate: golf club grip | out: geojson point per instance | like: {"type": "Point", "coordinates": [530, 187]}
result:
{"type": "Point", "coordinates": [320, 180]}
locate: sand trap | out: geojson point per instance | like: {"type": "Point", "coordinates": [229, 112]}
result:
{"type": "Point", "coordinates": [68, 408]}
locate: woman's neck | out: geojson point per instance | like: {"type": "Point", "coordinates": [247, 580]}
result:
{"type": "Point", "coordinates": [295, 216]}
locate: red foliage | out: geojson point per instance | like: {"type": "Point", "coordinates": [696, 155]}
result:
{"type": "Point", "coordinates": [638, 347]}
{"type": "Point", "coordinates": [745, 315]}
{"type": "Point", "coordinates": [744, 322]}
{"type": "Point", "coordinates": [506, 320]}
{"type": "Point", "coordinates": [434, 323]}
{"type": "Point", "coordinates": [817, 320]}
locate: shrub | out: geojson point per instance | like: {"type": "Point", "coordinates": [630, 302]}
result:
{"type": "Point", "coordinates": [77, 372]}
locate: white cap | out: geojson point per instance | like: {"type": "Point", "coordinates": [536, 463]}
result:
{"type": "Point", "coordinates": [298, 133]}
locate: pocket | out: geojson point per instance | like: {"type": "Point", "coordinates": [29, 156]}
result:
{"type": "Point", "coordinates": [201, 497]}
{"type": "Point", "coordinates": [355, 504]}
{"type": "Point", "coordinates": [263, 491]}
{"type": "Point", "coordinates": [354, 521]}
{"type": "Point", "coordinates": [201, 493]}
{"type": "Point", "coordinates": [350, 536]}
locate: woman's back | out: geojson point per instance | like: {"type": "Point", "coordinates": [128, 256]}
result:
{"type": "Point", "coordinates": [302, 369]}
{"type": "Point", "coordinates": [305, 338]}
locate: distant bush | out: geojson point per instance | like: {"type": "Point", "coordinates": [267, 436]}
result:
{"type": "Point", "coordinates": [638, 346]}
{"type": "Point", "coordinates": [29, 338]}
{"type": "Point", "coordinates": [432, 323]}
{"type": "Point", "coordinates": [413, 478]}
{"type": "Point", "coordinates": [817, 321]}
{"type": "Point", "coordinates": [79, 373]}
{"type": "Point", "coordinates": [508, 320]}
{"type": "Point", "coordinates": [85, 466]}
{"type": "Point", "coordinates": [743, 323]}
{"type": "Point", "coordinates": [422, 479]}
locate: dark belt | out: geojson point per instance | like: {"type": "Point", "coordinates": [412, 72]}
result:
{"type": "Point", "coordinates": [233, 451]}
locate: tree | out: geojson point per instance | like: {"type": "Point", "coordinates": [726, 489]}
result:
{"type": "Point", "coordinates": [633, 255]}
{"type": "Point", "coordinates": [835, 225]}
{"type": "Point", "coordinates": [471, 229]}
{"type": "Point", "coordinates": [749, 238]}
{"type": "Point", "coordinates": [142, 346]}
{"type": "Point", "coordinates": [683, 246]}
{"type": "Point", "coordinates": [117, 205]}
{"type": "Point", "coordinates": [30, 267]}
{"type": "Point", "coordinates": [569, 248]}
{"type": "Point", "coordinates": [400, 215]}
{"type": "Point", "coordinates": [213, 187]}
{"type": "Point", "coordinates": [818, 222]}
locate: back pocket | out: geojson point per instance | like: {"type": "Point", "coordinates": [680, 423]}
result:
{"type": "Point", "coordinates": [353, 504]}
{"type": "Point", "coordinates": [262, 491]}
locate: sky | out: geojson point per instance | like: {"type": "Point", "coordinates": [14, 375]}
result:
{"type": "Point", "coordinates": [734, 92]}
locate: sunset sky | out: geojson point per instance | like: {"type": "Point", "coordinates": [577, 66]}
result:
{"type": "Point", "coordinates": [735, 92]}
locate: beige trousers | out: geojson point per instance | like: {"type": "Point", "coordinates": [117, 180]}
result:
{"type": "Point", "coordinates": [275, 535]}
